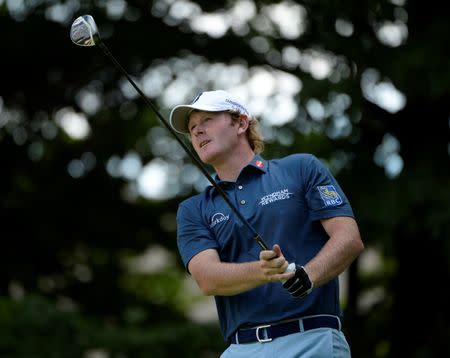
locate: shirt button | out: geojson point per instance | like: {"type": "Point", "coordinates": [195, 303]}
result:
{"type": "Point", "coordinates": [240, 187]}
{"type": "Point", "coordinates": [242, 202]}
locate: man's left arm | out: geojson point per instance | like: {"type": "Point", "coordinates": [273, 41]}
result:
{"type": "Point", "coordinates": [341, 249]}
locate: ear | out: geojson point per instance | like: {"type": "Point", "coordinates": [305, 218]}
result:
{"type": "Point", "coordinates": [243, 123]}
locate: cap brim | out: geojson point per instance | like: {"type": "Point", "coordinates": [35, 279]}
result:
{"type": "Point", "coordinates": [179, 116]}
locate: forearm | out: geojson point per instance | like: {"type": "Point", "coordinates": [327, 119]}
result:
{"type": "Point", "coordinates": [218, 278]}
{"type": "Point", "coordinates": [335, 256]}
{"type": "Point", "coordinates": [228, 279]}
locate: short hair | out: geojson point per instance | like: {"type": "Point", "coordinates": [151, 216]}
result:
{"type": "Point", "coordinates": [254, 136]}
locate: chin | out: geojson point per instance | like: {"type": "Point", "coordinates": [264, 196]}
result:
{"type": "Point", "coordinates": [208, 158]}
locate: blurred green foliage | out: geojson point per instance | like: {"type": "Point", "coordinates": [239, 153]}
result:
{"type": "Point", "coordinates": [34, 327]}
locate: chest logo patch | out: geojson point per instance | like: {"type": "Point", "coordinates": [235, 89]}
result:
{"type": "Point", "coordinates": [329, 195]}
{"type": "Point", "coordinates": [218, 218]}
{"type": "Point", "coordinates": [275, 196]}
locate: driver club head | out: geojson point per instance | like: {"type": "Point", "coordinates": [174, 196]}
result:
{"type": "Point", "coordinates": [84, 31]}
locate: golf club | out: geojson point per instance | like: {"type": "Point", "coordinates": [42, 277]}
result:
{"type": "Point", "coordinates": [84, 32]}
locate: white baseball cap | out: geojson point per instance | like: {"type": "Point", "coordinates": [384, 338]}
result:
{"type": "Point", "coordinates": [212, 101]}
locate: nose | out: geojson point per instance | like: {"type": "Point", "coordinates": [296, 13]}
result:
{"type": "Point", "coordinates": [198, 129]}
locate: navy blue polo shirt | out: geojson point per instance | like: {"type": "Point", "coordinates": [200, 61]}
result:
{"type": "Point", "coordinates": [284, 200]}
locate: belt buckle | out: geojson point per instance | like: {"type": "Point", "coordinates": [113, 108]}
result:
{"type": "Point", "coordinates": [262, 340]}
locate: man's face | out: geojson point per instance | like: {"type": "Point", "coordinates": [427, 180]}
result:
{"type": "Point", "coordinates": [213, 135]}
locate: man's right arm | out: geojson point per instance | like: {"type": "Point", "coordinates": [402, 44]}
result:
{"type": "Point", "coordinates": [218, 278]}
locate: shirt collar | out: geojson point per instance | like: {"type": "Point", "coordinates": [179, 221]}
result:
{"type": "Point", "coordinates": [257, 162]}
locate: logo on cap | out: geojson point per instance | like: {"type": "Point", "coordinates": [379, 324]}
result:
{"type": "Point", "coordinates": [196, 98]}
{"type": "Point", "coordinates": [239, 107]}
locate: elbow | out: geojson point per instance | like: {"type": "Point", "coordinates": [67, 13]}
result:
{"type": "Point", "coordinates": [206, 288]}
{"type": "Point", "coordinates": [359, 246]}
{"type": "Point", "coordinates": [207, 291]}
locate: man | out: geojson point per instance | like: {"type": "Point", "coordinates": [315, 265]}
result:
{"type": "Point", "coordinates": [298, 208]}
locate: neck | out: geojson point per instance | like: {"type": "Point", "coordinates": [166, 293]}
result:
{"type": "Point", "coordinates": [230, 169]}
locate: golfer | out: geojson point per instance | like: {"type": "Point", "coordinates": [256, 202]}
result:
{"type": "Point", "coordinates": [298, 208]}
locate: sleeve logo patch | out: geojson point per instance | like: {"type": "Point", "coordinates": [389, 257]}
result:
{"type": "Point", "coordinates": [329, 195]}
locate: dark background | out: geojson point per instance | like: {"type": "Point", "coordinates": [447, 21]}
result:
{"type": "Point", "coordinates": [66, 288]}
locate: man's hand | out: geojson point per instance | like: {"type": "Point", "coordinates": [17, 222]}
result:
{"type": "Point", "coordinates": [300, 285]}
{"type": "Point", "coordinates": [274, 265]}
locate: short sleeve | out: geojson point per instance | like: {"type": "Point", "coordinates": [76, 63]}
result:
{"type": "Point", "coordinates": [193, 234]}
{"type": "Point", "coordinates": [324, 196]}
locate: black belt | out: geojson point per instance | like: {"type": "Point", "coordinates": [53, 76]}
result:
{"type": "Point", "coordinates": [267, 332]}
